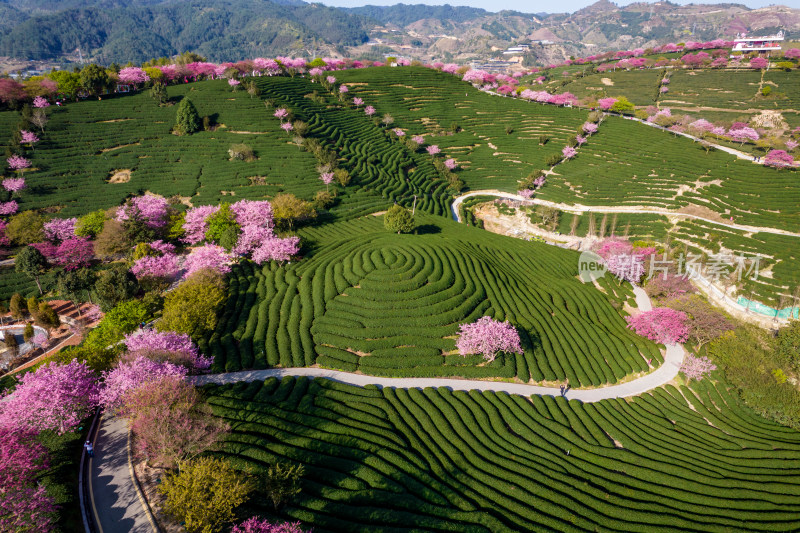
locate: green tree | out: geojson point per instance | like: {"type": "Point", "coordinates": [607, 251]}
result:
{"type": "Point", "coordinates": [90, 225]}
{"type": "Point", "coordinates": [398, 219]}
{"type": "Point", "coordinates": [11, 343]}
{"type": "Point", "coordinates": [205, 494]}
{"type": "Point", "coordinates": [74, 285]}
{"type": "Point", "coordinates": [28, 332]}
{"type": "Point", "coordinates": [220, 224]}
{"type": "Point", "coordinates": [623, 105]}
{"type": "Point", "coordinates": [94, 79]}
{"type": "Point", "coordinates": [287, 209]}
{"type": "Point", "coordinates": [32, 263]}
{"type": "Point", "coordinates": [121, 320]}
{"type": "Point", "coordinates": [68, 82]}
{"type": "Point", "coordinates": [25, 228]}
{"type": "Point", "coordinates": [17, 306]}
{"type": "Point", "coordinates": [47, 317]}
{"type": "Point", "coordinates": [282, 482]}
{"type": "Point", "coordinates": [193, 306]}
{"type": "Point", "coordinates": [159, 93]}
{"type": "Point", "coordinates": [187, 121]}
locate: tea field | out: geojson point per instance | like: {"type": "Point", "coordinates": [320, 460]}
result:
{"type": "Point", "coordinates": [678, 458]}
{"type": "Point", "coordinates": [367, 300]}
{"type": "Point", "coordinates": [633, 164]}
{"type": "Point", "coordinates": [494, 139]}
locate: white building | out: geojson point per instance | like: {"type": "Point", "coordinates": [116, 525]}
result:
{"type": "Point", "coordinates": [765, 44]}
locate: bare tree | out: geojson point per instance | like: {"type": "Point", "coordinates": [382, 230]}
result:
{"type": "Point", "coordinates": [40, 118]}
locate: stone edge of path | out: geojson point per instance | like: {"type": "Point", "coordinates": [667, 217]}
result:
{"type": "Point", "coordinates": [138, 486]}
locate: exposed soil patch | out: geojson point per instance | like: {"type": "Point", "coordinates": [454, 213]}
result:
{"type": "Point", "coordinates": [606, 81]}
{"type": "Point", "coordinates": [104, 150]}
{"type": "Point", "coordinates": [378, 213]}
{"type": "Point", "coordinates": [701, 211]}
{"type": "Point", "coordinates": [120, 176]}
{"type": "Point", "coordinates": [113, 120]}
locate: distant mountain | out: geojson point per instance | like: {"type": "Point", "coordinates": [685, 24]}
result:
{"type": "Point", "coordinates": [405, 14]}
{"type": "Point", "coordinates": [137, 30]}
{"type": "Point", "coordinates": [461, 34]}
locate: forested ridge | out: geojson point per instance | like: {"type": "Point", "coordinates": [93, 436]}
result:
{"type": "Point", "coordinates": [136, 31]}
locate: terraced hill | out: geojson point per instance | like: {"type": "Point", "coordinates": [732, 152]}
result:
{"type": "Point", "coordinates": [384, 304]}
{"type": "Point", "coordinates": [718, 95]}
{"type": "Point", "coordinates": [435, 460]}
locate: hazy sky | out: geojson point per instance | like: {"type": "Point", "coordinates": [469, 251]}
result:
{"type": "Point", "coordinates": [538, 6]}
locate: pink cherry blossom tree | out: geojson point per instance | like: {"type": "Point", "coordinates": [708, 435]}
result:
{"type": "Point", "coordinates": [369, 111]}
{"type": "Point", "coordinates": [759, 63]}
{"type": "Point", "coordinates": [9, 208]}
{"type": "Point", "coordinates": [40, 102]}
{"type": "Point", "coordinates": [568, 152]}
{"type": "Point", "coordinates": [606, 103]}
{"type": "Point", "coordinates": [696, 368]}
{"type": "Point", "coordinates": [133, 75]}
{"type": "Point", "coordinates": [14, 184]}
{"type": "Point", "coordinates": [55, 396]}
{"type": "Point", "coordinates": [276, 250]}
{"type": "Point", "coordinates": [779, 159]}
{"type": "Point", "coordinates": [450, 164]}
{"type": "Point", "coordinates": [589, 128]}
{"type": "Point", "coordinates": [358, 101]}
{"type": "Point", "coordinates": [662, 325]}
{"type": "Point", "coordinates": [60, 229]}
{"type": "Point", "coordinates": [166, 267]}
{"type": "Point", "coordinates": [488, 337]}
{"type": "Point", "coordinates": [195, 225]}
{"type": "Point", "coordinates": [73, 253]}
{"type": "Point", "coordinates": [24, 503]}
{"type": "Point", "coordinates": [17, 162]}
{"type": "Point", "coordinates": [208, 256]}
{"type": "Point", "coordinates": [153, 210]}
{"type": "Point", "coordinates": [433, 149]}
{"type": "Point", "coordinates": [129, 375]}
{"type": "Point", "coordinates": [326, 178]}
{"type": "Point", "coordinates": [28, 137]}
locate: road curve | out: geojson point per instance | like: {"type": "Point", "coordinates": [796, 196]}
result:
{"type": "Point", "coordinates": [661, 376]}
{"type": "Point", "coordinates": [578, 208]}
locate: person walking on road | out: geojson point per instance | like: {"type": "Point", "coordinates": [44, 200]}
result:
{"type": "Point", "coordinates": [89, 448]}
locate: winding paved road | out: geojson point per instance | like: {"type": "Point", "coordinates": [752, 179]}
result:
{"type": "Point", "coordinates": [115, 499]}
{"type": "Point", "coordinates": [578, 208]}
{"type": "Point", "coordinates": [662, 375]}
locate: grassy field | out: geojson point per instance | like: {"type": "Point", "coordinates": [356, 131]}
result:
{"type": "Point", "coordinates": [367, 300]}
{"type": "Point", "coordinates": [434, 460]}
